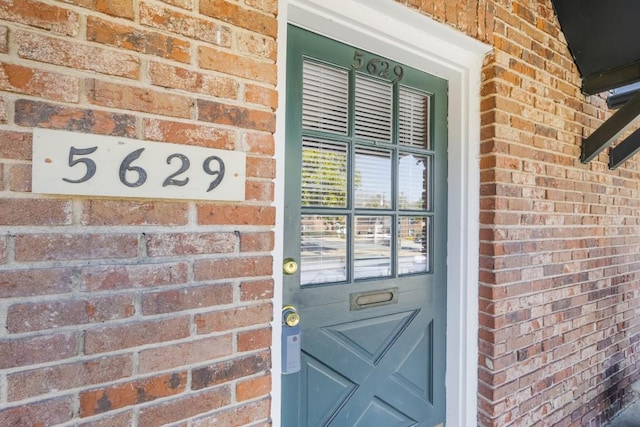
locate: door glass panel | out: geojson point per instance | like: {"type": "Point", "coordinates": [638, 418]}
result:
{"type": "Point", "coordinates": [372, 178]}
{"type": "Point", "coordinates": [414, 118]}
{"type": "Point", "coordinates": [323, 256]}
{"type": "Point", "coordinates": [414, 244]}
{"type": "Point", "coordinates": [372, 246]}
{"type": "Point", "coordinates": [374, 105]}
{"type": "Point", "coordinates": [324, 173]}
{"type": "Point", "coordinates": [414, 177]}
{"type": "Point", "coordinates": [324, 97]}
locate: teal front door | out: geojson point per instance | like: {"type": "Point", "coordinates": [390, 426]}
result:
{"type": "Point", "coordinates": [365, 221]}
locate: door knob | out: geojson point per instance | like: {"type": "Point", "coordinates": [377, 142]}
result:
{"type": "Point", "coordinates": [290, 316]}
{"type": "Point", "coordinates": [289, 266]}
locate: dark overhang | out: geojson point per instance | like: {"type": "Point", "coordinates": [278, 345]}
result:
{"type": "Point", "coordinates": [604, 40]}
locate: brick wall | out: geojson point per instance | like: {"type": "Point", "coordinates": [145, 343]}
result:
{"type": "Point", "coordinates": [122, 311]}
{"type": "Point", "coordinates": [559, 267]}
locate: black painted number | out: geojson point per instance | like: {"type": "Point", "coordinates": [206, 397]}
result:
{"type": "Point", "coordinates": [184, 166]}
{"type": "Point", "coordinates": [88, 163]}
{"type": "Point", "coordinates": [377, 67]}
{"type": "Point", "coordinates": [219, 174]}
{"type": "Point", "coordinates": [125, 167]}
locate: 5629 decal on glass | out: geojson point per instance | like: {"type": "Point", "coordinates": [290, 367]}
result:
{"type": "Point", "coordinates": [95, 165]}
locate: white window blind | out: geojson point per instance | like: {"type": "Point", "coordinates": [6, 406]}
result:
{"type": "Point", "coordinates": [414, 118]}
{"type": "Point", "coordinates": [325, 91]}
{"type": "Point", "coordinates": [374, 107]}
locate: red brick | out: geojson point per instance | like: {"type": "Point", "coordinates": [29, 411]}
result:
{"type": "Point", "coordinates": [186, 353]}
{"type": "Point", "coordinates": [256, 290]}
{"type": "Point", "coordinates": [138, 40]}
{"type": "Point", "coordinates": [32, 350]}
{"type": "Point", "coordinates": [186, 299]}
{"type": "Point", "coordinates": [240, 16]}
{"type": "Point", "coordinates": [121, 419]}
{"type": "Point", "coordinates": [19, 178]}
{"type": "Point", "coordinates": [111, 338]}
{"type": "Point", "coordinates": [222, 372]}
{"type": "Point", "coordinates": [110, 277]}
{"type": "Point", "coordinates": [246, 414]}
{"type": "Point", "coordinates": [259, 191]}
{"type": "Point", "coordinates": [258, 143]}
{"type": "Point", "coordinates": [234, 214]}
{"type": "Point", "coordinates": [236, 65]}
{"type": "Point", "coordinates": [124, 212]}
{"type": "Point", "coordinates": [253, 388]}
{"type": "Point", "coordinates": [40, 15]}
{"type": "Point", "coordinates": [47, 413]}
{"type": "Point", "coordinates": [115, 95]}
{"type": "Point", "coordinates": [119, 8]}
{"type": "Point", "coordinates": [46, 281]}
{"type": "Point", "coordinates": [223, 114]}
{"type": "Point", "coordinates": [226, 268]}
{"type": "Point", "coordinates": [240, 317]}
{"type": "Point", "coordinates": [73, 55]}
{"type": "Point", "coordinates": [3, 244]}
{"type": "Point", "coordinates": [191, 243]}
{"type": "Point", "coordinates": [270, 6]}
{"type": "Point", "coordinates": [189, 133]}
{"type": "Point", "coordinates": [185, 407]}
{"type": "Point", "coordinates": [27, 317]}
{"type": "Point", "coordinates": [261, 95]}
{"type": "Point", "coordinates": [49, 247]}
{"type": "Point", "coordinates": [131, 393]}
{"type": "Point", "coordinates": [168, 20]}
{"type": "Point", "coordinates": [26, 384]}
{"type": "Point", "coordinates": [258, 45]}
{"type": "Point", "coordinates": [254, 340]}
{"type": "Point", "coordinates": [166, 75]}
{"type": "Point", "coordinates": [260, 167]}
{"type": "Point", "coordinates": [52, 116]}
{"type": "Point", "coordinates": [257, 242]}
{"type": "Point", "coordinates": [45, 84]}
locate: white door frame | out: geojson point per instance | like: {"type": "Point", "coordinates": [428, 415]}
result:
{"type": "Point", "coordinates": [397, 32]}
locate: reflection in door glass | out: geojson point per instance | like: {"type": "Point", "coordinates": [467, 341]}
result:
{"type": "Point", "coordinates": [323, 256]}
{"type": "Point", "coordinates": [414, 244]}
{"type": "Point", "coordinates": [324, 173]}
{"type": "Point", "coordinates": [373, 178]}
{"type": "Point", "coordinates": [372, 246]}
{"type": "Point", "coordinates": [414, 182]}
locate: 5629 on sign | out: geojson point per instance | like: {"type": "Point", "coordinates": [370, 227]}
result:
{"type": "Point", "coordinates": [85, 164]}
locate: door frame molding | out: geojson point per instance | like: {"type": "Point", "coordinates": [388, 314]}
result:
{"type": "Point", "coordinates": [393, 30]}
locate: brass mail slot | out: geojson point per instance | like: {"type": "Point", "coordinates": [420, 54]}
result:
{"type": "Point", "coordinates": [369, 299]}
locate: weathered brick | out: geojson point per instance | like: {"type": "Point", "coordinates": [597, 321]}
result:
{"type": "Point", "coordinates": [215, 112]}
{"type": "Point", "coordinates": [48, 247]}
{"type": "Point", "coordinates": [4, 39]}
{"type": "Point", "coordinates": [246, 414]}
{"type": "Point", "coordinates": [110, 338]}
{"type": "Point", "coordinates": [253, 388]}
{"type": "Point", "coordinates": [137, 99]}
{"type": "Point", "coordinates": [40, 15]}
{"type": "Point", "coordinates": [123, 212]}
{"type": "Point", "coordinates": [185, 353]}
{"type": "Point", "coordinates": [258, 143]}
{"type": "Point", "coordinates": [118, 396]}
{"type": "Point", "coordinates": [270, 6]}
{"type": "Point", "coordinates": [32, 350]}
{"type": "Point", "coordinates": [260, 167]}
{"type": "Point", "coordinates": [119, 8]}
{"type": "Point", "coordinates": [257, 242]}
{"type": "Point", "coordinates": [53, 116]}
{"type": "Point", "coordinates": [236, 65]}
{"type": "Point", "coordinates": [138, 40]}
{"type": "Point", "coordinates": [184, 4]}
{"type": "Point", "coordinates": [166, 75]}
{"type": "Point", "coordinates": [189, 133]}
{"type": "Point", "coordinates": [256, 290]}
{"type": "Point", "coordinates": [3, 243]}
{"type": "Point", "coordinates": [46, 413]}
{"type": "Point", "coordinates": [258, 45]}
{"type": "Point", "coordinates": [179, 23]}
{"type": "Point", "coordinates": [120, 419]}
{"type": "Point", "coordinates": [185, 407]}
{"type": "Point", "coordinates": [110, 277]}
{"type": "Point", "coordinates": [236, 214]}
{"type": "Point", "coordinates": [260, 191]}
{"type": "Point", "coordinates": [19, 178]}
{"type": "Point", "coordinates": [238, 15]}
{"type": "Point", "coordinates": [224, 320]}
{"type": "Point", "coordinates": [254, 340]}
{"type": "Point", "coordinates": [27, 317]}
{"type": "Point", "coordinates": [26, 384]}
{"type": "Point", "coordinates": [191, 244]}
{"type": "Point", "coordinates": [73, 55]}
{"type": "Point", "coordinates": [18, 283]}
{"type": "Point", "coordinates": [45, 84]}
{"type": "Point", "coordinates": [261, 95]}
{"type": "Point", "coordinates": [225, 268]}
{"type": "Point", "coordinates": [34, 212]}
{"type": "Point", "coordinates": [222, 372]}
{"type": "Point", "coordinates": [186, 299]}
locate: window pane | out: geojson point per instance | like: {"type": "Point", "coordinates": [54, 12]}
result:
{"type": "Point", "coordinates": [324, 173]}
{"type": "Point", "coordinates": [414, 182]}
{"type": "Point", "coordinates": [374, 104]}
{"type": "Point", "coordinates": [323, 256]}
{"type": "Point", "coordinates": [325, 93]}
{"type": "Point", "coordinates": [372, 246]}
{"type": "Point", "coordinates": [414, 118]}
{"type": "Point", "coordinates": [373, 178]}
{"type": "Point", "coordinates": [414, 244]}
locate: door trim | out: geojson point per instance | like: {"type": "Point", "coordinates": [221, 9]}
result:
{"type": "Point", "coordinates": [393, 30]}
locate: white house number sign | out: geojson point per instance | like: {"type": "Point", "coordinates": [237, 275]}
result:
{"type": "Point", "coordinates": [95, 165]}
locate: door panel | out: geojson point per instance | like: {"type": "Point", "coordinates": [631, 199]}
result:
{"type": "Point", "coordinates": [365, 217]}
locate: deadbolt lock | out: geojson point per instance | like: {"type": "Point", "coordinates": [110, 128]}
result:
{"type": "Point", "coordinates": [290, 316]}
{"type": "Point", "coordinates": [289, 266]}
